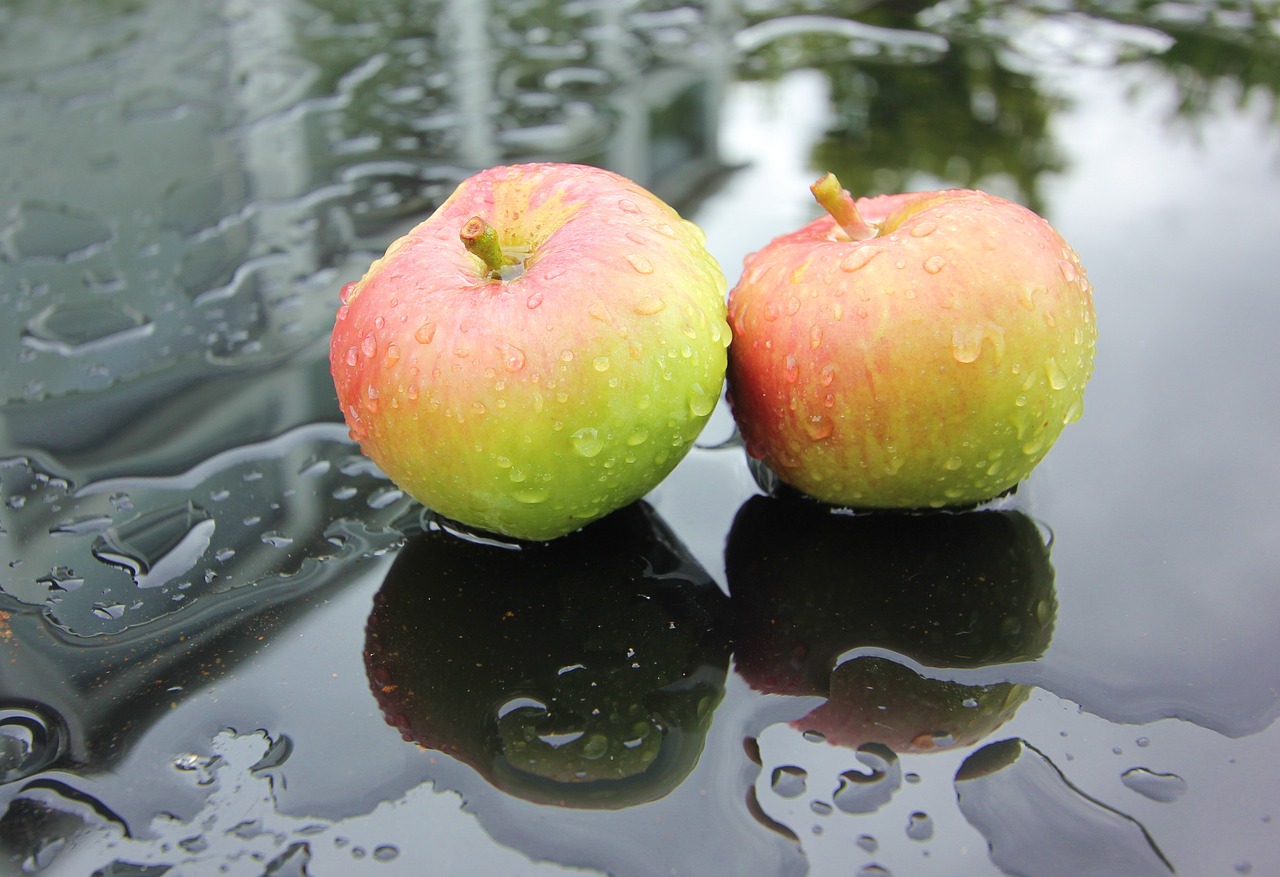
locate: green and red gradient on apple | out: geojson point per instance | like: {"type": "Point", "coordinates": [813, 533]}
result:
{"type": "Point", "coordinates": [910, 351]}
{"type": "Point", "coordinates": [542, 350]}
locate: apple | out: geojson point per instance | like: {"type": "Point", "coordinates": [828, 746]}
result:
{"type": "Point", "coordinates": [909, 351]}
{"type": "Point", "coordinates": [542, 350]}
{"type": "Point", "coordinates": [581, 672]}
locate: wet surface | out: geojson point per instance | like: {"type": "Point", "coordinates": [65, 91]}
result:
{"type": "Point", "coordinates": [218, 624]}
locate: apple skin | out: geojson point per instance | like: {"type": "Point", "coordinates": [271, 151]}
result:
{"type": "Point", "coordinates": [532, 405]}
{"type": "Point", "coordinates": [932, 364]}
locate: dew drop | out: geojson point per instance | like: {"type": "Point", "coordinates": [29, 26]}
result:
{"type": "Point", "coordinates": [425, 333]}
{"type": "Point", "coordinates": [1068, 270]}
{"type": "Point", "coordinates": [587, 442]}
{"type": "Point", "coordinates": [923, 229]}
{"type": "Point", "coordinates": [600, 363]}
{"type": "Point", "coordinates": [392, 356]}
{"type": "Point", "coordinates": [626, 205]}
{"type": "Point", "coordinates": [859, 258]}
{"type": "Point", "coordinates": [533, 301]}
{"type": "Point", "coordinates": [640, 263]}
{"type": "Point", "coordinates": [793, 305]}
{"type": "Point", "coordinates": [1057, 377]}
{"type": "Point", "coordinates": [966, 344]}
{"type": "Point", "coordinates": [1162, 787]}
{"type": "Point", "coordinates": [827, 375]}
{"type": "Point", "coordinates": [920, 826]}
{"type": "Point", "coordinates": [954, 463]}
{"type": "Point", "coordinates": [353, 358]}
{"type": "Point", "coordinates": [1074, 411]}
{"type": "Point", "coordinates": [513, 358]}
{"type": "Point", "coordinates": [532, 495]}
{"type": "Point", "coordinates": [369, 346]}
{"type": "Point", "coordinates": [815, 337]}
{"type": "Point", "coordinates": [934, 264]}
{"type": "Point", "coordinates": [701, 403]}
{"type": "Point", "coordinates": [342, 313]}
{"type": "Point", "coordinates": [650, 306]}
{"type": "Point", "coordinates": [344, 294]}
{"type": "Point", "coordinates": [791, 369]}
{"type": "Point", "coordinates": [789, 781]}
{"type": "Point", "coordinates": [818, 427]}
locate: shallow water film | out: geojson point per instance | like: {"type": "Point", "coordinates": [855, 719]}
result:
{"type": "Point", "coordinates": [229, 645]}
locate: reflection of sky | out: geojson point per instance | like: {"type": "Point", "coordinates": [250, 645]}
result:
{"type": "Point", "coordinates": [1173, 472]}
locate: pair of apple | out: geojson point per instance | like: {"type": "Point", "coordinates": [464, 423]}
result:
{"type": "Point", "coordinates": [545, 348]}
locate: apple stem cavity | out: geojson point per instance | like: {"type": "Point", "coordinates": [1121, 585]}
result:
{"type": "Point", "coordinates": [481, 240]}
{"type": "Point", "coordinates": [837, 201]}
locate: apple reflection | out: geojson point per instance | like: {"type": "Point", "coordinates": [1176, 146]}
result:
{"type": "Point", "coordinates": [819, 595]}
{"type": "Point", "coordinates": [581, 672]}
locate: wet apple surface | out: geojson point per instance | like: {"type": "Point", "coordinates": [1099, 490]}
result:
{"type": "Point", "coordinates": [230, 644]}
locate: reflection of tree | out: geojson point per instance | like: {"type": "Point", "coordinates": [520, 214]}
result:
{"type": "Point", "coordinates": [960, 115]}
{"type": "Point", "coordinates": [973, 113]}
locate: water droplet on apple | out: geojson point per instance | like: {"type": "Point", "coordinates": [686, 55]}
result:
{"type": "Point", "coordinates": [859, 258]}
{"type": "Point", "coordinates": [701, 403]}
{"type": "Point", "coordinates": [827, 375]}
{"type": "Point", "coordinates": [793, 305]}
{"type": "Point", "coordinates": [513, 358]}
{"type": "Point", "coordinates": [352, 357]}
{"type": "Point", "coordinates": [1068, 270]}
{"type": "Point", "coordinates": [934, 264]}
{"type": "Point", "coordinates": [791, 369]}
{"type": "Point", "coordinates": [966, 344]}
{"type": "Point", "coordinates": [425, 333]}
{"type": "Point", "coordinates": [1057, 377]}
{"type": "Point", "coordinates": [344, 294]}
{"type": "Point", "coordinates": [953, 463]}
{"type": "Point", "coordinates": [1074, 411]}
{"type": "Point", "coordinates": [587, 442]}
{"type": "Point", "coordinates": [1033, 445]}
{"type": "Point", "coordinates": [818, 427]}
{"type": "Point", "coordinates": [815, 337]}
{"type": "Point", "coordinates": [600, 363]}
{"type": "Point", "coordinates": [369, 346]}
{"type": "Point", "coordinates": [393, 355]}
{"type": "Point", "coordinates": [342, 313]}
{"type": "Point", "coordinates": [923, 229]}
{"type": "Point", "coordinates": [640, 263]}
{"type": "Point", "coordinates": [533, 301]}
{"type": "Point", "coordinates": [650, 306]}
{"type": "Point", "coordinates": [626, 205]}
{"type": "Point", "coordinates": [638, 437]}
{"type": "Point", "coordinates": [532, 495]}
{"type": "Point", "coordinates": [636, 238]}
{"type": "Point", "coordinates": [771, 311]}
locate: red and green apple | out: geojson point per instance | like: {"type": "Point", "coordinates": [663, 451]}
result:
{"type": "Point", "coordinates": [910, 351]}
{"type": "Point", "coordinates": [542, 350]}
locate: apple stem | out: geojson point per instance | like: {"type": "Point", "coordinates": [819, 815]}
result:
{"type": "Point", "coordinates": [481, 240]}
{"type": "Point", "coordinates": [840, 204]}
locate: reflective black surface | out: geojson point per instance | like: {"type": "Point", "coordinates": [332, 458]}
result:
{"type": "Point", "coordinates": [196, 559]}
